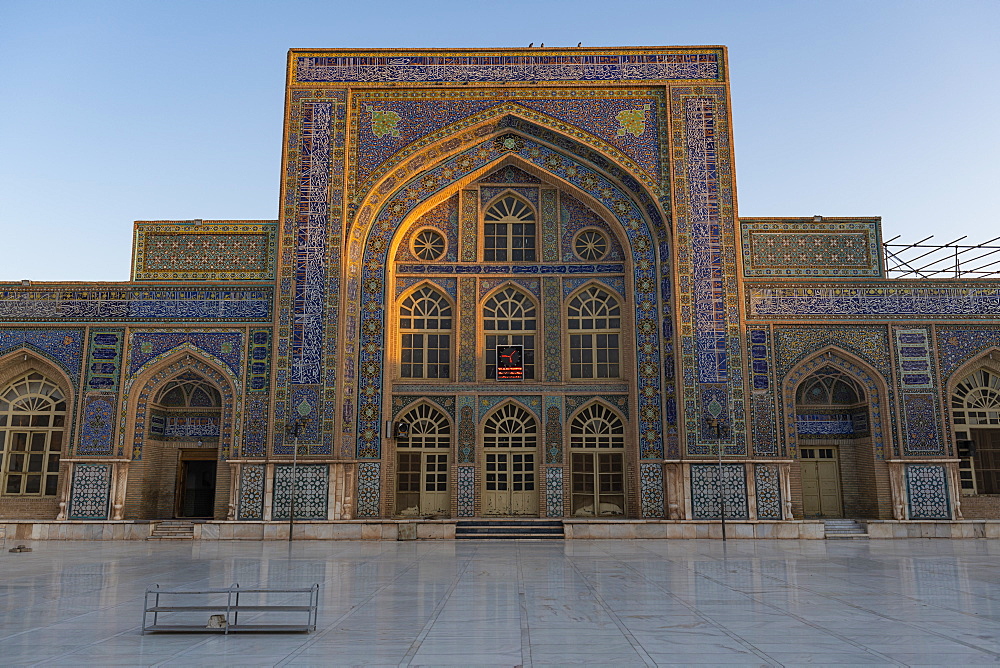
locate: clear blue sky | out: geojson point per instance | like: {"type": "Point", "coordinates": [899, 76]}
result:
{"type": "Point", "coordinates": [137, 110]}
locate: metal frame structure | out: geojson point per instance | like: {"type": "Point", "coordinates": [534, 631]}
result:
{"type": "Point", "coordinates": [949, 260]}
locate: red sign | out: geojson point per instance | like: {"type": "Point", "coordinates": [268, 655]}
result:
{"type": "Point", "coordinates": [510, 362]}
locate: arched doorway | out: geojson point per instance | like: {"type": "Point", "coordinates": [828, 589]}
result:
{"type": "Point", "coordinates": [179, 474]}
{"type": "Point", "coordinates": [510, 448]}
{"type": "Point", "coordinates": [597, 463]}
{"type": "Point", "coordinates": [836, 460]}
{"type": "Point", "coordinates": [975, 410]}
{"type": "Point", "coordinates": [422, 458]}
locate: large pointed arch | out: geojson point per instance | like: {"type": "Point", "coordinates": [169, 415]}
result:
{"type": "Point", "coordinates": [878, 497]}
{"type": "Point", "coordinates": [382, 214]}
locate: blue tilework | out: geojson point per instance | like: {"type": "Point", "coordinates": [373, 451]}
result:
{"type": "Point", "coordinates": [62, 346]}
{"type": "Point", "coordinates": [104, 359]}
{"type": "Point", "coordinates": [215, 250]}
{"type": "Point", "coordinates": [91, 492]}
{"type": "Point", "coordinates": [488, 193]}
{"type": "Point", "coordinates": [767, 484]}
{"type": "Point", "coordinates": [465, 493]}
{"type": "Point", "coordinates": [368, 489]}
{"type": "Point", "coordinates": [530, 285]}
{"type": "Point", "coordinates": [226, 347]}
{"type": "Point", "coordinates": [707, 492]}
{"type": "Point", "coordinates": [444, 218]}
{"type": "Point", "coordinates": [553, 431]}
{"type": "Point", "coordinates": [97, 430]}
{"type": "Point", "coordinates": [927, 492]}
{"type": "Point", "coordinates": [251, 500]}
{"type": "Point", "coordinates": [877, 301]}
{"type": "Point", "coordinates": [462, 67]}
{"type": "Point", "coordinates": [554, 492]}
{"type": "Point", "coordinates": [575, 215]}
{"type": "Point", "coordinates": [833, 247]}
{"type": "Point", "coordinates": [651, 489]}
{"type": "Point", "coordinates": [135, 304]}
{"type": "Point", "coordinates": [959, 345]}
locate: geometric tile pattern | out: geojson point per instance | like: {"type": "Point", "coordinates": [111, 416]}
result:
{"type": "Point", "coordinates": [96, 432]}
{"type": "Point", "coordinates": [707, 491]}
{"type": "Point", "coordinates": [462, 67]}
{"type": "Point", "coordinates": [465, 483]}
{"type": "Point", "coordinates": [259, 361]}
{"type": "Point", "coordinates": [764, 425]}
{"type": "Point", "coordinates": [927, 492]}
{"type": "Point", "coordinates": [63, 346]}
{"type": "Point", "coordinates": [227, 347]}
{"type": "Point", "coordinates": [759, 371]}
{"type": "Point", "coordinates": [312, 486]}
{"type": "Point", "coordinates": [104, 359]}
{"type": "Point", "coordinates": [466, 430]}
{"type": "Point", "coordinates": [91, 492]}
{"type": "Point", "coordinates": [218, 250]}
{"type": "Point", "coordinates": [876, 300]}
{"type": "Point", "coordinates": [803, 247]}
{"type": "Point", "coordinates": [959, 345]}
{"type": "Point", "coordinates": [651, 488]}
{"type": "Point", "coordinates": [126, 303]}
{"type": "Point", "coordinates": [768, 489]}
{"type": "Point", "coordinates": [575, 216]}
{"type": "Point", "coordinates": [368, 489]}
{"type": "Point", "coordinates": [444, 218]}
{"type": "Point", "coordinates": [922, 426]}
{"type": "Point", "coordinates": [794, 343]}
{"type": "Point", "coordinates": [554, 491]}
{"type": "Point", "coordinates": [251, 501]}
{"type": "Point", "coordinates": [551, 310]}
{"type": "Point", "coordinates": [553, 430]}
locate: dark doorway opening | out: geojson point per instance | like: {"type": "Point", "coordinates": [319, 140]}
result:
{"type": "Point", "coordinates": [197, 489]}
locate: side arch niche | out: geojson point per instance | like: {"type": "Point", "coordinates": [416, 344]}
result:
{"type": "Point", "coordinates": [181, 428]}
{"type": "Point", "coordinates": [837, 434]}
{"type": "Point", "coordinates": [973, 396]}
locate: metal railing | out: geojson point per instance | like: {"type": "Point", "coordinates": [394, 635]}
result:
{"type": "Point", "coordinates": [953, 259]}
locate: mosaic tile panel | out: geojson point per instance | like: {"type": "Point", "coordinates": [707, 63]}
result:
{"type": "Point", "coordinates": [510, 174]}
{"type": "Point", "coordinates": [549, 213]}
{"type": "Point", "coordinates": [466, 430]}
{"type": "Point", "coordinates": [576, 216]}
{"type": "Point", "coordinates": [927, 492]}
{"type": "Point", "coordinates": [759, 359]}
{"type": "Point", "coordinates": [218, 250]}
{"type": "Point", "coordinates": [443, 218]}
{"type": "Point", "coordinates": [488, 193]}
{"type": "Point", "coordinates": [104, 356]}
{"type": "Point", "coordinates": [449, 286]}
{"type": "Point", "coordinates": [90, 497]}
{"type": "Point", "coordinates": [764, 425]}
{"type": "Point", "coordinates": [553, 430]}
{"type": "Point", "coordinates": [554, 491]}
{"type": "Point", "coordinates": [870, 343]}
{"type": "Point", "coordinates": [256, 410]}
{"type": "Point", "coordinates": [959, 345]}
{"type": "Point", "coordinates": [575, 401]}
{"type": "Point", "coordinates": [465, 483]}
{"type": "Point", "coordinates": [259, 361]}
{"type": "Point", "coordinates": [651, 489]}
{"type": "Point", "coordinates": [571, 285]}
{"type": "Point", "coordinates": [97, 430]}
{"type": "Point", "coordinates": [469, 218]}
{"type": "Point", "coordinates": [304, 402]}
{"type": "Point", "coordinates": [62, 346]}
{"type": "Point", "coordinates": [708, 492]}
{"type": "Point", "coordinates": [446, 402]}
{"type": "Point", "coordinates": [878, 301]}
{"type": "Point", "coordinates": [130, 304]}
{"type": "Point", "coordinates": [552, 317]}
{"type": "Point", "coordinates": [768, 486]}
{"type": "Point", "coordinates": [532, 402]}
{"type": "Point", "coordinates": [913, 359]}
{"type": "Point", "coordinates": [467, 329]}
{"type": "Point", "coordinates": [805, 247]}
{"type": "Point", "coordinates": [461, 66]}
{"type": "Point", "coordinates": [311, 483]}
{"type": "Point", "coordinates": [368, 489]}
{"type": "Point", "coordinates": [921, 425]}
{"type": "Point", "coordinates": [488, 285]}
{"type": "Point", "coordinates": [227, 347]}
{"type": "Point", "coordinates": [251, 502]}
{"type": "Point", "coordinates": [446, 268]}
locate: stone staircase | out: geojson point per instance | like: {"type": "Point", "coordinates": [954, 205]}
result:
{"type": "Point", "coordinates": [845, 529]}
{"type": "Point", "coordinates": [509, 529]}
{"type": "Point", "coordinates": [172, 530]}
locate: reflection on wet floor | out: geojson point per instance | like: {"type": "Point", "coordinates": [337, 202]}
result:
{"type": "Point", "coordinates": [621, 603]}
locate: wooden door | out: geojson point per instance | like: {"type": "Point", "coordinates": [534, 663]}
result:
{"type": "Point", "coordinates": [820, 482]}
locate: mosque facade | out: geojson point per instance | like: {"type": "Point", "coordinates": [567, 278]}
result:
{"type": "Point", "coordinates": [503, 283]}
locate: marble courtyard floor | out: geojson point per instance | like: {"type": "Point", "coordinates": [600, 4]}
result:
{"type": "Point", "coordinates": [610, 603]}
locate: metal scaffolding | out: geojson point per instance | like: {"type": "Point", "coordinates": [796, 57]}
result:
{"type": "Point", "coordinates": [950, 260]}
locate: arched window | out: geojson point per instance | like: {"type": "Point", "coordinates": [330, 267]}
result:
{"type": "Point", "coordinates": [32, 423]}
{"type": "Point", "coordinates": [829, 387]}
{"type": "Point", "coordinates": [189, 390]}
{"type": "Point", "coordinates": [975, 410]}
{"type": "Point", "coordinates": [422, 462]}
{"type": "Point", "coordinates": [597, 462]}
{"type": "Point", "coordinates": [187, 408]}
{"type": "Point", "coordinates": [509, 318]}
{"type": "Point", "coordinates": [509, 231]}
{"type": "Point", "coordinates": [425, 329]}
{"type": "Point", "coordinates": [594, 324]}
{"type": "Point", "coordinates": [510, 427]}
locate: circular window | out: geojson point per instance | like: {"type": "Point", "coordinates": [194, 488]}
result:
{"type": "Point", "coordinates": [590, 245]}
{"type": "Point", "coordinates": [428, 245]}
